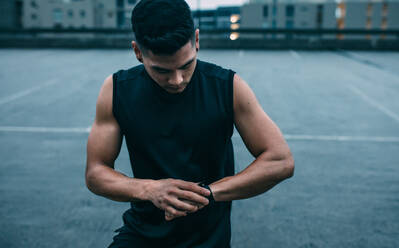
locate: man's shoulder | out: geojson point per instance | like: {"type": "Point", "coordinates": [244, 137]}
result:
{"type": "Point", "coordinates": [128, 74]}
{"type": "Point", "coordinates": [213, 70]}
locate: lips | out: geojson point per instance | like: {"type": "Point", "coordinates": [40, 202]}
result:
{"type": "Point", "coordinates": [175, 89]}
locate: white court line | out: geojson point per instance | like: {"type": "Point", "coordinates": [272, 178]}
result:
{"type": "Point", "coordinates": [342, 138]}
{"type": "Point", "coordinates": [45, 129]}
{"type": "Point", "coordinates": [336, 138]}
{"type": "Point", "coordinates": [374, 103]}
{"type": "Point", "coordinates": [295, 55]}
{"type": "Point", "coordinates": [25, 92]}
{"type": "Point", "coordinates": [235, 135]}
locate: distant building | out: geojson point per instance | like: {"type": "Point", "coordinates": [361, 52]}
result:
{"type": "Point", "coordinates": [124, 12]}
{"type": "Point", "coordinates": [222, 17]}
{"type": "Point", "coordinates": [11, 14]}
{"type": "Point", "coordinates": [326, 14]}
{"type": "Point", "coordinates": [77, 13]}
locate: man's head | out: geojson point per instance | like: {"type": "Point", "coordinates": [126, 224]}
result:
{"type": "Point", "coordinates": [165, 41]}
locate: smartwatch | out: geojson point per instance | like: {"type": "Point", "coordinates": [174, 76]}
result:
{"type": "Point", "coordinates": [210, 197]}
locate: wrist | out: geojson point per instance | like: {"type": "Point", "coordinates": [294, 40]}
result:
{"type": "Point", "coordinates": [210, 197]}
{"type": "Point", "coordinates": [147, 189]}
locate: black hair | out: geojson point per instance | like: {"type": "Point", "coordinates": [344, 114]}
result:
{"type": "Point", "coordinates": [162, 26]}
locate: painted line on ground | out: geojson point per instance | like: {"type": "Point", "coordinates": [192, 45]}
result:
{"type": "Point", "coordinates": [45, 129]}
{"type": "Point", "coordinates": [374, 103]}
{"type": "Point", "coordinates": [26, 92]}
{"type": "Point", "coordinates": [305, 137]}
{"type": "Point", "coordinates": [235, 135]}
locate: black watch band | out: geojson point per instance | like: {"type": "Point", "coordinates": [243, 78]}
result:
{"type": "Point", "coordinates": [210, 197]}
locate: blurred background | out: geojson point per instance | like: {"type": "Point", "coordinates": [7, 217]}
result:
{"type": "Point", "coordinates": [307, 24]}
{"type": "Point", "coordinates": [326, 72]}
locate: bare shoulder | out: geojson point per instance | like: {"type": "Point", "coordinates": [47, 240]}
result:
{"type": "Point", "coordinates": [104, 101]}
{"type": "Point", "coordinates": [244, 97]}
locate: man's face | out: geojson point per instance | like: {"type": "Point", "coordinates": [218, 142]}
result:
{"type": "Point", "coordinates": [172, 72]}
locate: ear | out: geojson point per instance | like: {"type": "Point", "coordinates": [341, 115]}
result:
{"type": "Point", "coordinates": [197, 40]}
{"type": "Point", "coordinates": [136, 49]}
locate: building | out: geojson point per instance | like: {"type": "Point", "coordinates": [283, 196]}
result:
{"type": "Point", "coordinates": [11, 14]}
{"type": "Point", "coordinates": [124, 12]}
{"type": "Point", "coordinates": [321, 14]}
{"type": "Point", "coordinates": [222, 17]}
{"type": "Point", "coordinates": [77, 13]}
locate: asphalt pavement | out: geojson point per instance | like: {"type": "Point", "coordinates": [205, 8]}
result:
{"type": "Point", "coordinates": [338, 110]}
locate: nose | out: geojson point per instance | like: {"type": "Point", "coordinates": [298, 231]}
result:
{"type": "Point", "coordinates": [176, 79]}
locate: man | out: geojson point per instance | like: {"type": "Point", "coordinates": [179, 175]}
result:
{"type": "Point", "coordinates": [177, 115]}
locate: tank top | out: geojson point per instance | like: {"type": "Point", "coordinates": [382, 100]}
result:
{"type": "Point", "coordinates": [183, 136]}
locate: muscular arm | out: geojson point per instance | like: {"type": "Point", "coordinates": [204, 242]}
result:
{"type": "Point", "coordinates": [103, 148]}
{"type": "Point", "coordinates": [264, 140]}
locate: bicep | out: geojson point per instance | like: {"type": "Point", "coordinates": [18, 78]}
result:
{"type": "Point", "coordinates": [105, 138]}
{"type": "Point", "coordinates": [256, 128]}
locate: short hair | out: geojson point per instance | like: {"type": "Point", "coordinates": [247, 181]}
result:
{"type": "Point", "coordinates": [162, 26]}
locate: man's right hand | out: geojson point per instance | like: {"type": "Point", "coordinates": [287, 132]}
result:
{"type": "Point", "coordinates": [177, 197]}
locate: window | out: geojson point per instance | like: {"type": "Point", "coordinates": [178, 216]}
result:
{"type": "Point", "coordinates": [289, 10]}
{"type": "Point", "coordinates": [131, 1]}
{"type": "Point", "coordinates": [57, 15]}
{"type": "Point", "coordinates": [384, 9]}
{"type": "Point", "coordinates": [82, 13]}
{"type": "Point", "coordinates": [33, 17]}
{"type": "Point", "coordinates": [319, 16]}
{"type": "Point", "coordinates": [384, 24]}
{"type": "Point", "coordinates": [289, 24]}
{"type": "Point", "coordinates": [119, 3]}
{"type": "Point", "coordinates": [110, 14]}
{"type": "Point", "coordinates": [368, 23]}
{"type": "Point", "coordinates": [304, 8]}
{"type": "Point", "coordinates": [369, 9]}
{"type": "Point", "coordinates": [70, 13]}
{"type": "Point", "coordinates": [33, 4]}
{"type": "Point", "coordinates": [265, 11]}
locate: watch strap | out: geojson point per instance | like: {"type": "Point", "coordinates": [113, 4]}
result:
{"type": "Point", "coordinates": [210, 197]}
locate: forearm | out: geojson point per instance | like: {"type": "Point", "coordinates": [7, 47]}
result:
{"type": "Point", "coordinates": [105, 181]}
{"type": "Point", "coordinates": [260, 176]}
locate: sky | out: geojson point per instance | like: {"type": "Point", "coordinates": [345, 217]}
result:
{"type": "Point", "coordinates": [212, 4]}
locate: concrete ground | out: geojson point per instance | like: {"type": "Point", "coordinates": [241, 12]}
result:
{"type": "Point", "coordinates": [338, 110]}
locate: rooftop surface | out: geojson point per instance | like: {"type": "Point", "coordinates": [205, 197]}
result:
{"type": "Point", "coordinates": [338, 110]}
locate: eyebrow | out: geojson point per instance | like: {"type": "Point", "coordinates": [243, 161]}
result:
{"type": "Point", "coordinates": [181, 67]}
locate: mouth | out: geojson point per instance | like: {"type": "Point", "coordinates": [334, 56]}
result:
{"type": "Point", "coordinates": [176, 88]}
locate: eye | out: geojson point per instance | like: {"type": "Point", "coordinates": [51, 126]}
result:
{"type": "Point", "coordinates": [186, 66]}
{"type": "Point", "coordinates": [162, 71]}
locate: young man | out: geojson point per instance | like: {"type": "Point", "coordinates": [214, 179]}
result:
{"type": "Point", "coordinates": [177, 115]}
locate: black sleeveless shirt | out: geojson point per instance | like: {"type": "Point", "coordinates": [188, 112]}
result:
{"type": "Point", "coordinates": [183, 136]}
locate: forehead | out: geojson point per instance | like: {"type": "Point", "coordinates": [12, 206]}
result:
{"type": "Point", "coordinates": [173, 61]}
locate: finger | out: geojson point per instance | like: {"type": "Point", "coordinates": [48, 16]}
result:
{"type": "Point", "coordinates": [174, 212]}
{"type": "Point", "coordinates": [183, 206]}
{"type": "Point", "coordinates": [199, 205]}
{"type": "Point", "coordinates": [191, 196]}
{"type": "Point", "coordinates": [193, 187]}
{"type": "Point", "coordinates": [168, 216]}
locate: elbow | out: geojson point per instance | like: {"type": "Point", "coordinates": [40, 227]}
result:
{"type": "Point", "coordinates": [90, 178]}
{"type": "Point", "coordinates": [289, 166]}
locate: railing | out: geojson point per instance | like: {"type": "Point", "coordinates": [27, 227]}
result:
{"type": "Point", "coordinates": [210, 38]}
{"type": "Point", "coordinates": [37, 31]}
